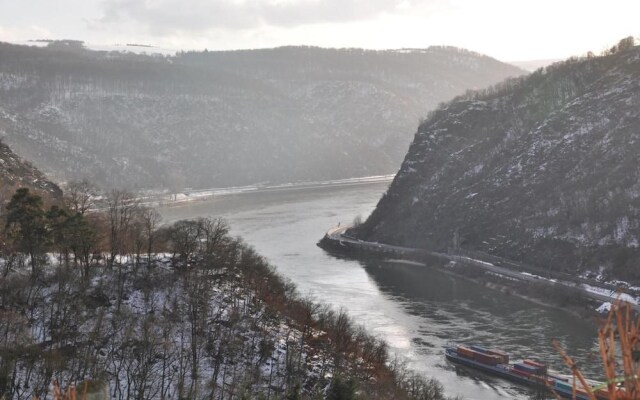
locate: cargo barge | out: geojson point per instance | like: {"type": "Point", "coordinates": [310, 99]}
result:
{"type": "Point", "coordinates": [528, 372]}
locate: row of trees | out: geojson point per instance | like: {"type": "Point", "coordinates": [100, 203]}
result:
{"type": "Point", "coordinates": [122, 228]}
{"type": "Point", "coordinates": [209, 318]}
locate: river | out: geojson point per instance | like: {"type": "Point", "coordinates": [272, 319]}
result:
{"type": "Point", "coordinates": [418, 310]}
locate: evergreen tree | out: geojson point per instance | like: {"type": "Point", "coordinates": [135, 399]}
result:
{"type": "Point", "coordinates": [342, 389]}
{"type": "Point", "coordinates": [26, 225]}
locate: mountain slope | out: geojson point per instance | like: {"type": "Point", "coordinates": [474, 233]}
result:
{"type": "Point", "coordinates": [225, 118]}
{"type": "Point", "coordinates": [15, 173]}
{"type": "Point", "coordinates": [544, 169]}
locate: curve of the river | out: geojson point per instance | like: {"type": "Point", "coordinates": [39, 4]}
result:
{"type": "Point", "coordinates": [417, 310]}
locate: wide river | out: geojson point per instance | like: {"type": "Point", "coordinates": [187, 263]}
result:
{"type": "Point", "coordinates": [418, 310]}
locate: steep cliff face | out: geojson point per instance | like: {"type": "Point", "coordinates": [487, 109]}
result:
{"type": "Point", "coordinates": [15, 173]}
{"type": "Point", "coordinates": [543, 169]}
{"type": "Point", "coordinates": [225, 118]}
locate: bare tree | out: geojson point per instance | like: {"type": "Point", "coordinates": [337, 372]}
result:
{"type": "Point", "coordinates": [142, 233]}
{"type": "Point", "coordinates": [303, 311]}
{"type": "Point", "coordinates": [121, 208]}
{"type": "Point", "coordinates": [79, 196]}
{"type": "Point", "coordinates": [150, 221]}
{"type": "Point", "coordinates": [185, 236]}
{"type": "Point", "coordinates": [213, 233]}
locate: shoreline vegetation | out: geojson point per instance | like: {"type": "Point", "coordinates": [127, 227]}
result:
{"type": "Point", "coordinates": [141, 310]}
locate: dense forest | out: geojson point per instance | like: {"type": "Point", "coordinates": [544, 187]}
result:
{"type": "Point", "coordinates": [226, 118]}
{"type": "Point", "coordinates": [106, 298]}
{"type": "Point", "coordinates": [542, 169]}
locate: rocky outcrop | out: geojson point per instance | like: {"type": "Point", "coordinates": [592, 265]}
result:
{"type": "Point", "coordinates": [543, 169]}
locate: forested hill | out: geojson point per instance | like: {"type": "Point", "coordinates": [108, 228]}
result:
{"type": "Point", "coordinates": [544, 169]}
{"type": "Point", "coordinates": [15, 172]}
{"type": "Point", "coordinates": [225, 118]}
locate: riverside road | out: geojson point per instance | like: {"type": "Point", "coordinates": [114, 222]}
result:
{"type": "Point", "coordinates": [339, 238]}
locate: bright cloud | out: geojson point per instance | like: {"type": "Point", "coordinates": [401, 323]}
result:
{"type": "Point", "coordinates": [506, 29]}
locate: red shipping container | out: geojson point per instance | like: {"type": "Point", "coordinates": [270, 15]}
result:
{"type": "Point", "coordinates": [534, 364]}
{"type": "Point", "coordinates": [504, 357]}
{"type": "Point", "coordinates": [521, 373]}
{"type": "Point", "coordinates": [465, 352]}
{"type": "Point", "coordinates": [487, 359]}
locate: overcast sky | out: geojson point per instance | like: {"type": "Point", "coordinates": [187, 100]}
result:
{"type": "Point", "coordinates": [510, 30]}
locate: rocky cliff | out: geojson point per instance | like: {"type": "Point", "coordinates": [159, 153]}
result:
{"type": "Point", "coordinates": [15, 173]}
{"type": "Point", "coordinates": [543, 169]}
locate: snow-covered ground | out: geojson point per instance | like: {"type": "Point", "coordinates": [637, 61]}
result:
{"type": "Point", "coordinates": [142, 330]}
{"type": "Point", "coordinates": [613, 294]}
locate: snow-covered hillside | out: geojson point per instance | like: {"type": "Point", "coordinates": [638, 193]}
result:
{"type": "Point", "coordinates": [224, 118]}
{"type": "Point", "coordinates": [209, 320]}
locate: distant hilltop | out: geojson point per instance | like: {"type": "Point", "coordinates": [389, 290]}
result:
{"type": "Point", "coordinates": [224, 118]}
{"type": "Point", "coordinates": [53, 42]}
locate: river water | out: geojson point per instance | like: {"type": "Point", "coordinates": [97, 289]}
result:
{"type": "Point", "coordinates": [418, 310]}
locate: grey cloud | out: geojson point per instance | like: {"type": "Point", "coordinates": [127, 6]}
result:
{"type": "Point", "coordinates": [166, 16]}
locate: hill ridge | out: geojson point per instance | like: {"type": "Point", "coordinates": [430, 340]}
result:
{"type": "Point", "coordinates": [212, 119]}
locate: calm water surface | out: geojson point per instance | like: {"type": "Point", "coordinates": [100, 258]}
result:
{"type": "Point", "coordinates": [416, 309]}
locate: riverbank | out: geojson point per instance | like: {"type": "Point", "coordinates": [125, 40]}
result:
{"type": "Point", "coordinates": [542, 295]}
{"type": "Point", "coordinates": [582, 308]}
{"type": "Point", "coordinates": [577, 297]}
{"type": "Point", "coordinates": [165, 198]}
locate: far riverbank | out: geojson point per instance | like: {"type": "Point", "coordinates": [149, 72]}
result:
{"type": "Point", "coordinates": [165, 198]}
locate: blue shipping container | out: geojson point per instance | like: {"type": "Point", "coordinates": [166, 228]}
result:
{"type": "Point", "coordinates": [525, 368]}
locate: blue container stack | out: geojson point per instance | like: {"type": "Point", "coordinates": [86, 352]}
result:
{"type": "Point", "coordinates": [525, 368]}
{"type": "Point", "coordinates": [562, 385]}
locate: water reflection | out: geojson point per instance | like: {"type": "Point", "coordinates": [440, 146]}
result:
{"type": "Point", "coordinates": [452, 309]}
